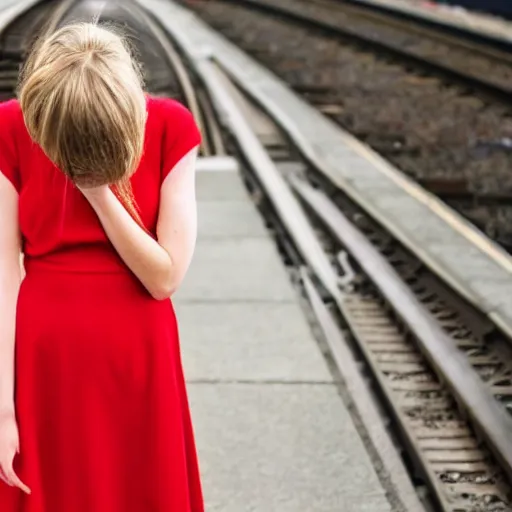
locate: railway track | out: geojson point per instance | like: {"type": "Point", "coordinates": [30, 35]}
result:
{"type": "Point", "coordinates": [431, 358]}
{"type": "Point", "coordinates": [444, 132]}
{"type": "Point", "coordinates": [429, 415]}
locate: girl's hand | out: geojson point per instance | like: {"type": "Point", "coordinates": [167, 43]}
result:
{"type": "Point", "coordinates": [9, 446]}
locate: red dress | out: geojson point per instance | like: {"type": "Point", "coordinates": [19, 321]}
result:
{"type": "Point", "coordinates": [100, 396]}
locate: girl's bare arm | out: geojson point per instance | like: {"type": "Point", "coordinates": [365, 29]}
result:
{"type": "Point", "coordinates": [10, 280]}
{"type": "Point", "coordinates": [159, 264]}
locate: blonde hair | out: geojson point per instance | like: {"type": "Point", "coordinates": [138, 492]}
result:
{"type": "Point", "coordinates": [83, 103]}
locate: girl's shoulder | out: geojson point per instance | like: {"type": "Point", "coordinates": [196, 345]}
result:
{"type": "Point", "coordinates": [169, 110]}
{"type": "Point", "coordinates": [10, 112]}
{"type": "Point", "coordinates": [174, 126]}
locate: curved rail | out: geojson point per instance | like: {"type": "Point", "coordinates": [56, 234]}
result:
{"type": "Point", "coordinates": [329, 168]}
{"type": "Point", "coordinates": [183, 76]}
{"type": "Point", "coordinates": [410, 12]}
{"type": "Point", "coordinates": [9, 14]}
{"type": "Point", "coordinates": [474, 398]}
{"type": "Point", "coordinates": [35, 18]}
{"type": "Point", "coordinates": [494, 423]}
{"type": "Point", "coordinates": [57, 15]}
{"type": "Point", "coordinates": [425, 335]}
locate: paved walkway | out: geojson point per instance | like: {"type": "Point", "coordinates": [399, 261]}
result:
{"type": "Point", "coordinates": [273, 434]}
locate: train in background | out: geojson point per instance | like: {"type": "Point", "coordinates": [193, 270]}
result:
{"type": "Point", "coordinates": [499, 7]}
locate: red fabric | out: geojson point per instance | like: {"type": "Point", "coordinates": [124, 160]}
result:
{"type": "Point", "coordinates": [100, 396]}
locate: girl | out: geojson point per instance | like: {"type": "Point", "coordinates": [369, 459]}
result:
{"type": "Point", "coordinates": [97, 190]}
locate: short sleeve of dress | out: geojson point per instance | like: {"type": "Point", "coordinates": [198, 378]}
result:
{"type": "Point", "coordinates": [8, 154]}
{"type": "Point", "coordinates": [181, 134]}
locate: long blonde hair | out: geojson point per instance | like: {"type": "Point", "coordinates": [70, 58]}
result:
{"type": "Point", "coordinates": [83, 103]}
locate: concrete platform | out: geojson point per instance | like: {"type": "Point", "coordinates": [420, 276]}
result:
{"type": "Point", "coordinates": [273, 434]}
{"type": "Point", "coordinates": [453, 248]}
{"type": "Point", "coordinates": [283, 448]}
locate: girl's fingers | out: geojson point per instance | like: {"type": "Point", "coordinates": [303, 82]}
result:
{"type": "Point", "coordinates": [12, 479]}
{"type": "Point", "coordinates": [18, 483]}
{"type": "Point", "coordinates": [3, 477]}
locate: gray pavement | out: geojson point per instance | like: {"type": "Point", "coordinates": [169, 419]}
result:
{"type": "Point", "coordinates": [272, 432]}
{"type": "Point", "coordinates": [281, 448]}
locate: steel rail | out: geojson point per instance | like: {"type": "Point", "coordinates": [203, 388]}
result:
{"type": "Point", "coordinates": [357, 387]}
{"type": "Point", "coordinates": [417, 321]}
{"type": "Point", "coordinates": [434, 204]}
{"type": "Point", "coordinates": [226, 109]}
{"type": "Point", "coordinates": [411, 12]}
{"type": "Point", "coordinates": [438, 348]}
{"type": "Point", "coordinates": [490, 419]}
{"type": "Point", "coordinates": [9, 14]}
{"type": "Point", "coordinates": [280, 194]}
{"type": "Point", "coordinates": [57, 16]}
{"type": "Point", "coordinates": [181, 73]}
{"type": "Point", "coordinates": [422, 26]}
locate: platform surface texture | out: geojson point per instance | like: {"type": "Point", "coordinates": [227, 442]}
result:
{"type": "Point", "coordinates": [272, 432]}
